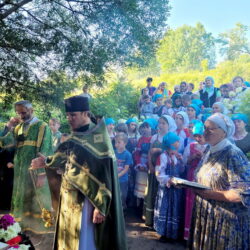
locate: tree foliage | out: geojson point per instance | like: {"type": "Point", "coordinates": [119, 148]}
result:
{"type": "Point", "coordinates": [120, 101]}
{"type": "Point", "coordinates": [184, 49]}
{"type": "Point", "coordinates": [235, 42]}
{"type": "Point", "coordinates": [222, 73]}
{"type": "Point", "coordinates": [38, 37]}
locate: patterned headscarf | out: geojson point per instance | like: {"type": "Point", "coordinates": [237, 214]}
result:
{"type": "Point", "coordinates": [224, 122]}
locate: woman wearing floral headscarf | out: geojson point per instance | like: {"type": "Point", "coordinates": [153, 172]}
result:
{"type": "Point", "coordinates": [221, 215]}
{"type": "Point", "coordinates": [209, 93]}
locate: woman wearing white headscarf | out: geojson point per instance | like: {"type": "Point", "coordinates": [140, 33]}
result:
{"type": "Point", "coordinates": [182, 122]}
{"type": "Point", "coordinates": [219, 107]}
{"type": "Point", "coordinates": [222, 214]}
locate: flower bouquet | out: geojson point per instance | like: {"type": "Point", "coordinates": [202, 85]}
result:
{"type": "Point", "coordinates": [11, 237]}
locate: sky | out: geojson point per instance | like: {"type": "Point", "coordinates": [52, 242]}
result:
{"type": "Point", "coordinates": [217, 16]}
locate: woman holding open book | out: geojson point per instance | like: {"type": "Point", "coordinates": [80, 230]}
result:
{"type": "Point", "coordinates": [222, 214]}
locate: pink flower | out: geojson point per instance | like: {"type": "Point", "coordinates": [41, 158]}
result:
{"type": "Point", "coordinates": [5, 221]}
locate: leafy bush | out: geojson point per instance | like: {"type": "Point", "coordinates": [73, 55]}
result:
{"type": "Point", "coordinates": [120, 101]}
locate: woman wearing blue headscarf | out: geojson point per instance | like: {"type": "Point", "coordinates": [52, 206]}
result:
{"type": "Point", "coordinates": [165, 124]}
{"type": "Point", "coordinates": [193, 111]}
{"type": "Point", "coordinates": [168, 213]}
{"type": "Point", "coordinates": [209, 93]}
{"type": "Point", "coordinates": [241, 136]}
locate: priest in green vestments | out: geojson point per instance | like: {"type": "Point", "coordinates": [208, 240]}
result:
{"type": "Point", "coordinates": [90, 214]}
{"type": "Point", "coordinates": [31, 192]}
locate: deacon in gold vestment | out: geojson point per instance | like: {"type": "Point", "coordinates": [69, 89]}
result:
{"type": "Point", "coordinates": [90, 213]}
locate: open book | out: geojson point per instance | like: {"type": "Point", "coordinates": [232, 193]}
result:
{"type": "Point", "coordinates": [187, 184]}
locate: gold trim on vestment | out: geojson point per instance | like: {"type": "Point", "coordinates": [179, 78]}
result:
{"type": "Point", "coordinates": [102, 186]}
{"type": "Point", "coordinates": [26, 143]}
{"type": "Point", "coordinates": [85, 143]}
{"type": "Point", "coordinates": [25, 133]}
{"type": "Point", "coordinates": [41, 134]}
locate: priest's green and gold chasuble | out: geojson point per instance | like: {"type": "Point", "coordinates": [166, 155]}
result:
{"type": "Point", "coordinates": [90, 171]}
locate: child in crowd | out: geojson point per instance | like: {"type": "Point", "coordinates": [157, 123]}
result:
{"type": "Point", "coordinates": [121, 127]}
{"type": "Point", "coordinates": [150, 88]}
{"type": "Point", "coordinates": [183, 88]}
{"type": "Point", "coordinates": [190, 89]}
{"type": "Point", "coordinates": [145, 92]}
{"type": "Point", "coordinates": [110, 123]}
{"type": "Point", "coordinates": [193, 111]}
{"type": "Point", "coordinates": [162, 90]}
{"type": "Point", "coordinates": [54, 125]}
{"type": "Point", "coordinates": [167, 108]}
{"type": "Point", "coordinates": [177, 104]}
{"type": "Point", "coordinates": [124, 161]}
{"type": "Point", "coordinates": [224, 89]}
{"type": "Point", "coordinates": [186, 101]}
{"type": "Point", "coordinates": [177, 91]}
{"type": "Point", "coordinates": [182, 122]}
{"type": "Point", "coordinates": [133, 134]}
{"type": "Point", "coordinates": [168, 216]}
{"type": "Point", "coordinates": [165, 124]}
{"type": "Point", "coordinates": [147, 107]}
{"type": "Point", "coordinates": [190, 138]}
{"type": "Point", "coordinates": [141, 164]}
{"type": "Point", "coordinates": [158, 98]}
{"type": "Point", "coordinates": [191, 158]}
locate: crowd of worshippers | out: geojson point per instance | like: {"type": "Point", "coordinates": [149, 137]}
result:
{"type": "Point", "coordinates": [168, 140]}
{"type": "Point", "coordinates": [171, 138]}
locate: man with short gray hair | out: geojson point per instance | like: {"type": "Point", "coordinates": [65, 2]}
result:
{"type": "Point", "coordinates": [31, 192]}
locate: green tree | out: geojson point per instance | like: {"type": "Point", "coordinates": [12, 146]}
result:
{"type": "Point", "coordinates": [38, 37]}
{"type": "Point", "coordinates": [184, 49]}
{"type": "Point", "coordinates": [120, 101]}
{"type": "Point", "coordinates": [235, 42]}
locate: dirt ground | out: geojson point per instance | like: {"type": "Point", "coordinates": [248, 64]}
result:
{"type": "Point", "coordinates": [138, 237]}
